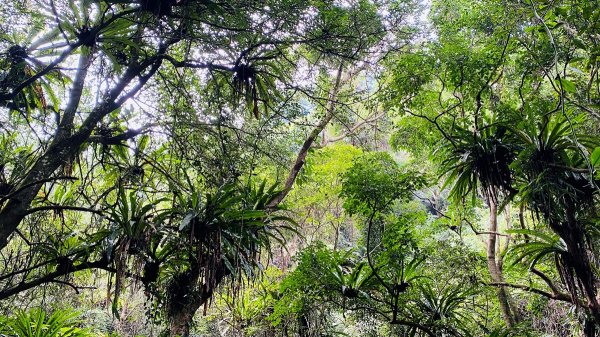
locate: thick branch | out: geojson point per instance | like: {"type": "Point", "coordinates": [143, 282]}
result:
{"type": "Point", "coordinates": [414, 325]}
{"type": "Point", "coordinates": [196, 65]}
{"type": "Point", "coordinates": [63, 147]}
{"type": "Point", "coordinates": [66, 124]}
{"type": "Point", "coordinates": [300, 159]}
{"type": "Point", "coordinates": [546, 279]}
{"type": "Point", "coordinates": [558, 296]}
{"type": "Point", "coordinates": [61, 208]}
{"type": "Point", "coordinates": [51, 278]}
{"type": "Point", "coordinates": [117, 139]}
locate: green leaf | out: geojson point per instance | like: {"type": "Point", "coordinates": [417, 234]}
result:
{"type": "Point", "coordinates": [566, 85]}
{"type": "Point", "coordinates": [186, 221]}
{"type": "Point", "coordinates": [595, 157]}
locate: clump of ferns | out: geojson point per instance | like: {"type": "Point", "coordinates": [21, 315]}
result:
{"type": "Point", "coordinates": [533, 246]}
{"type": "Point", "coordinates": [222, 234]}
{"type": "Point", "coordinates": [245, 85]}
{"type": "Point", "coordinates": [479, 161]}
{"type": "Point", "coordinates": [351, 278]}
{"type": "Point", "coordinates": [21, 67]}
{"type": "Point", "coordinates": [550, 191]}
{"type": "Point", "coordinates": [253, 80]}
{"type": "Point", "coordinates": [131, 233]}
{"type": "Point", "coordinates": [556, 184]}
{"type": "Point", "coordinates": [553, 167]}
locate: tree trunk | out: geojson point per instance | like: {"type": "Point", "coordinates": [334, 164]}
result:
{"type": "Point", "coordinates": [180, 322]}
{"type": "Point", "coordinates": [578, 261]}
{"type": "Point", "coordinates": [303, 327]}
{"type": "Point", "coordinates": [66, 142]}
{"type": "Point", "coordinates": [181, 309]}
{"type": "Point", "coordinates": [589, 327]}
{"type": "Point", "coordinates": [493, 267]}
{"type": "Point", "coordinates": [300, 159]}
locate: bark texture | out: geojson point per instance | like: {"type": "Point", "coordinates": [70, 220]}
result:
{"type": "Point", "coordinates": [494, 266]}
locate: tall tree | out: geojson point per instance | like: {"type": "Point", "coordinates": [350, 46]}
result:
{"type": "Point", "coordinates": [115, 111]}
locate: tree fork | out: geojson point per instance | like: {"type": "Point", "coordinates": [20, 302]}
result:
{"type": "Point", "coordinates": [64, 145]}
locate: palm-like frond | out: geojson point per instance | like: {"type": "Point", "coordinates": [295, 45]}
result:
{"type": "Point", "coordinates": [445, 307]}
{"type": "Point", "coordinates": [36, 323]}
{"type": "Point", "coordinates": [351, 281]}
{"type": "Point", "coordinates": [222, 234]}
{"type": "Point", "coordinates": [537, 246]}
{"type": "Point", "coordinates": [479, 159]}
{"type": "Point", "coordinates": [130, 216]}
{"type": "Point", "coordinates": [552, 165]}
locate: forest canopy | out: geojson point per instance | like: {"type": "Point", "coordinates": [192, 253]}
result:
{"type": "Point", "coordinates": [299, 168]}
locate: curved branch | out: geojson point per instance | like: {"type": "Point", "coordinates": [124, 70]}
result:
{"type": "Point", "coordinates": [61, 208]}
{"type": "Point", "coordinates": [51, 277]}
{"type": "Point", "coordinates": [300, 159]}
{"type": "Point", "coordinates": [120, 138]}
{"type": "Point", "coordinates": [558, 296]}
{"type": "Point", "coordinates": [414, 325]}
{"type": "Point", "coordinates": [41, 181]}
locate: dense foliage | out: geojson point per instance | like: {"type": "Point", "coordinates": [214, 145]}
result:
{"type": "Point", "coordinates": [299, 168]}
